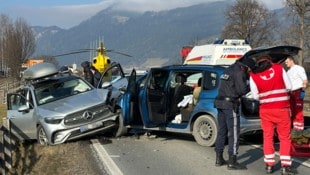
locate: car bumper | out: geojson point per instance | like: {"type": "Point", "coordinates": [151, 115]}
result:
{"type": "Point", "coordinates": [249, 125]}
{"type": "Point", "coordinates": [61, 134]}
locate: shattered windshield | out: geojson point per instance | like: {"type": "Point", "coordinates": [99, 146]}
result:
{"type": "Point", "coordinates": [58, 89]}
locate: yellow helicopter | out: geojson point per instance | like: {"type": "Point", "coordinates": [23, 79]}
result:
{"type": "Point", "coordinates": [102, 61]}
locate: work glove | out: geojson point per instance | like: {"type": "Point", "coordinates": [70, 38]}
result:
{"type": "Point", "coordinates": [302, 94]}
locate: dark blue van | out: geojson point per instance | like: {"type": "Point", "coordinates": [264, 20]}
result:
{"type": "Point", "coordinates": [165, 99]}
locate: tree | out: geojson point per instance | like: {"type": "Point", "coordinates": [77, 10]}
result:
{"type": "Point", "coordinates": [4, 28]}
{"type": "Point", "coordinates": [17, 43]}
{"type": "Point", "coordinates": [300, 9]}
{"type": "Point", "coordinates": [247, 19]}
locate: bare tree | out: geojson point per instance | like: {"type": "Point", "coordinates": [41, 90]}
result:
{"type": "Point", "coordinates": [300, 9]}
{"type": "Point", "coordinates": [247, 19]}
{"type": "Point", "coordinates": [290, 36]}
{"type": "Point", "coordinates": [17, 41]}
{"type": "Point", "coordinates": [25, 38]}
{"type": "Point", "coordinates": [4, 28]}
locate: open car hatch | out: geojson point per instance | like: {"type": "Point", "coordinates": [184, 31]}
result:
{"type": "Point", "coordinates": [277, 53]}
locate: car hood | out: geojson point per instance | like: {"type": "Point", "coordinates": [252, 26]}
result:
{"type": "Point", "coordinates": [277, 53]}
{"type": "Point", "coordinates": [74, 103]}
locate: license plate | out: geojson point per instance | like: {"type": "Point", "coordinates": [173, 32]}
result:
{"type": "Point", "coordinates": [90, 126]}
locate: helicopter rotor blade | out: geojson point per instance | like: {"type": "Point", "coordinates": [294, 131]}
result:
{"type": "Point", "coordinates": [71, 53]}
{"type": "Point", "coordinates": [90, 50]}
{"type": "Point", "coordinates": [119, 53]}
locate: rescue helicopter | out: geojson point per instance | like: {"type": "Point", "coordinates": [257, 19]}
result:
{"type": "Point", "coordinates": [102, 61]}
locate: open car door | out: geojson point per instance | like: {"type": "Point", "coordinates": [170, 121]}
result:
{"type": "Point", "coordinates": [130, 99]}
{"type": "Point", "coordinates": [114, 79]}
{"type": "Point", "coordinates": [154, 99]}
{"type": "Point", "coordinates": [20, 113]}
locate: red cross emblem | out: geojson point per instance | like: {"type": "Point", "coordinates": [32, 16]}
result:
{"type": "Point", "coordinates": [269, 74]}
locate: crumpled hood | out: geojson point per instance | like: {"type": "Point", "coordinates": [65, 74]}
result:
{"type": "Point", "coordinates": [74, 103]}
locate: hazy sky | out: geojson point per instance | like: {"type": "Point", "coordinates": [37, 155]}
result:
{"type": "Point", "coordinates": [68, 13]}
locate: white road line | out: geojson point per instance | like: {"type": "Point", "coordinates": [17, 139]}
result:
{"type": "Point", "coordinates": [112, 168]}
{"type": "Point", "coordinates": [277, 153]}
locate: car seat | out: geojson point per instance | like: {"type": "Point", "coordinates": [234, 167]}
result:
{"type": "Point", "coordinates": [197, 91]}
{"type": "Point", "coordinates": [181, 89]}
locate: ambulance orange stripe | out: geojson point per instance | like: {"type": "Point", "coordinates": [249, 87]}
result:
{"type": "Point", "coordinates": [195, 59]}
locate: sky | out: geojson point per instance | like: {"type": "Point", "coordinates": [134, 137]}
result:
{"type": "Point", "coordinates": [69, 13]}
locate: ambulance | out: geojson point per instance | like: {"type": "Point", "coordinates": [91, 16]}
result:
{"type": "Point", "coordinates": [220, 52]}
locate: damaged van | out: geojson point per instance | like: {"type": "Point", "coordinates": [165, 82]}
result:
{"type": "Point", "coordinates": [180, 98]}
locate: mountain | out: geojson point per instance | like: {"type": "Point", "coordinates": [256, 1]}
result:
{"type": "Point", "coordinates": [144, 36]}
{"type": "Point", "coordinates": [45, 32]}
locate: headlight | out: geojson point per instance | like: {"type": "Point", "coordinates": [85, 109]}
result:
{"type": "Point", "coordinates": [52, 120]}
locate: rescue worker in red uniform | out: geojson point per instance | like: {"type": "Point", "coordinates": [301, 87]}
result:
{"type": "Point", "coordinates": [299, 80]}
{"type": "Point", "coordinates": [270, 85]}
{"type": "Point", "coordinates": [234, 83]}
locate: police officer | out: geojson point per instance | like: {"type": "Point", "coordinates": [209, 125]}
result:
{"type": "Point", "coordinates": [234, 84]}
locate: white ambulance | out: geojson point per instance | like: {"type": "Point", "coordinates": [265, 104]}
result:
{"type": "Point", "coordinates": [221, 52]}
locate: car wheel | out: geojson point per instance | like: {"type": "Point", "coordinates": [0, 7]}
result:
{"type": "Point", "coordinates": [41, 136]}
{"type": "Point", "coordinates": [205, 130]}
{"type": "Point", "coordinates": [120, 128]}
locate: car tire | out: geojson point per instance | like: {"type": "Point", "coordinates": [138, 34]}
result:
{"type": "Point", "coordinates": [120, 128]}
{"type": "Point", "coordinates": [205, 130]}
{"type": "Point", "coordinates": [41, 136]}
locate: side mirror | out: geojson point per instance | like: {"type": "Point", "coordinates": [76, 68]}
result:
{"type": "Point", "coordinates": [122, 89]}
{"type": "Point", "coordinates": [106, 85]}
{"type": "Point", "coordinates": [23, 108]}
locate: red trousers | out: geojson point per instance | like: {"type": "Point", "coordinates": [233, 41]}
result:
{"type": "Point", "coordinates": [278, 119]}
{"type": "Point", "coordinates": [297, 105]}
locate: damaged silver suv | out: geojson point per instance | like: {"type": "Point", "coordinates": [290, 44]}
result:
{"type": "Point", "coordinates": [53, 107]}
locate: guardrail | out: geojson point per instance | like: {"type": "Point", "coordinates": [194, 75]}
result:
{"type": "Point", "coordinates": [7, 145]}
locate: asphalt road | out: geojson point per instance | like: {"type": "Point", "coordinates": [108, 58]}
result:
{"type": "Point", "coordinates": [174, 154]}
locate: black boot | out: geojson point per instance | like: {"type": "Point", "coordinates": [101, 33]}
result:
{"type": "Point", "coordinates": [234, 165]}
{"type": "Point", "coordinates": [220, 160]}
{"type": "Point", "coordinates": [269, 169]}
{"type": "Point", "coordinates": [287, 171]}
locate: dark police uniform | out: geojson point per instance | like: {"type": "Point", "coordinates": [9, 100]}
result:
{"type": "Point", "coordinates": [234, 84]}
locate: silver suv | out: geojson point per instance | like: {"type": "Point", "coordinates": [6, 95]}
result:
{"type": "Point", "coordinates": [53, 107]}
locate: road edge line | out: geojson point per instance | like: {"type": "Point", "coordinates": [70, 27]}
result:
{"type": "Point", "coordinates": [105, 158]}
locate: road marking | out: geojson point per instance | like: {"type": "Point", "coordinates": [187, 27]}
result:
{"type": "Point", "coordinates": [105, 158]}
{"type": "Point", "coordinates": [113, 169]}
{"type": "Point", "coordinates": [304, 163]}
